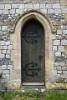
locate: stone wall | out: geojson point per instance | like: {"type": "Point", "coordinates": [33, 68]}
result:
{"type": "Point", "coordinates": [56, 10]}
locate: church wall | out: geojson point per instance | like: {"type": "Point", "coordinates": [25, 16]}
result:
{"type": "Point", "coordinates": [10, 12]}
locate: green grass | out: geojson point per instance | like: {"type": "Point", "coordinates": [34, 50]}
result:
{"type": "Point", "coordinates": [56, 96]}
{"type": "Point", "coordinates": [35, 95]}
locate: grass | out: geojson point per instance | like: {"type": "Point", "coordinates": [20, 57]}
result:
{"type": "Point", "coordinates": [57, 96]}
{"type": "Point", "coordinates": [35, 95]}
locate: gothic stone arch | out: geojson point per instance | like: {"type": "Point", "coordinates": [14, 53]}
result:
{"type": "Point", "coordinates": [15, 74]}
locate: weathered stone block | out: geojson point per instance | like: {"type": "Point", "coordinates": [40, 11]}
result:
{"type": "Point", "coordinates": [59, 37]}
{"type": "Point", "coordinates": [4, 66]}
{"type": "Point", "coordinates": [4, 37]}
{"type": "Point", "coordinates": [42, 5]}
{"type": "Point", "coordinates": [66, 26]}
{"type": "Point", "coordinates": [12, 11]}
{"type": "Point", "coordinates": [59, 31]}
{"type": "Point", "coordinates": [63, 42]}
{"type": "Point", "coordinates": [10, 47]}
{"type": "Point", "coordinates": [64, 10]}
{"type": "Point", "coordinates": [1, 47]}
{"type": "Point", "coordinates": [55, 48]}
{"type": "Point", "coordinates": [56, 64]}
{"type": "Point", "coordinates": [4, 61]}
{"type": "Point", "coordinates": [59, 72]}
{"type": "Point", "coordinates": [0, 27]}
{"type": "Point", "coordinates": [57, 53]}
{"type": "Point", "coordinates": [10, 67]}
{"type": "Point", "coordinates": [2, 55]}
{"type": "Point", "coordinates": [0, 71]}
{"type": "Point", "coordinates": [63, 27]}
{"type": "Point", "coordinates": [21, 6]}
{"type": "Point", "coordinates": [4, 47]}
{"type": "Point", "coordinates": [27, 6]}
{"type": "Point", "coordinates": [65, 16]}
{"type": "Point", "coordinates": [54, 1]}
{"type": "Point", "coordinates": [5, 11]}
{"type": "Point", "coordinates": [4, 28]}
{"type": "Point", "coordinates": [57, 11]}
{"type": "Point", "coordinates": [60, 80]}
{"type": "Point", "coordinates": [15, 6]}
{"type": "Point", "coordinates": [8, 51]}
{"type": "Point", "coordinates": [0, 11]}
{"type": "Point", "coordinates": [65, 53]}
{"type": "Point", "coordinates": [6, 71]}
{"type": "Point", "coordinates": [56, 5]}
{"type": "Point", "coordinates": [48, 5]}
{"type": "Point", "coordinates": [64, 31]}
{"type": "Point", "coordinates": [19, 11]}
{"type": "Point", "coordinates": [7, 43]}
{"type": "Point", "coordinates": [50, 11]}
{"type": "Point", "coordinates": [64, 68]}
{"type": "Point", "coordinates": [66, 80]}
{"type": "Point", "coordinates": [59, 68]}
{"type": "Point", "coordinates": [61, 48]}
{"type": "Point", "coordinates": [44, 11]}
{"type": "Point", "coordinates": [7, 6]}
{"type": "Point", "coordinates": [56, 42]}
{"type": "Point", "coordinates": [2, 42]}
{"type": "Point", "coordinates": [62, 63]}
{"type": "Point", "coordinates": [6, 76]}
{"type": "Point", "coordinates": [59, 59]}
{"type": "Point", "coordinates": [63, 2]}
{"type": "Point", "coordinates": [3, 51]}
{"type": "Point", "coordinates": [7, 56]}
{"type": "Point", "coordinates": [1, 6]}
{"type": "Point", "coordinates": [65, 72]}
{"type": "Point", "coordinates": [36, 6]}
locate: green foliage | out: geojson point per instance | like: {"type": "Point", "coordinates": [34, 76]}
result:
{"type": "Point", "coordinates": [35, 95]}
{"type": "Point", "coordinates": [8, 97]}
{"type": "Point", "coordinates": [31, 93]}
{"type": "Point", "coordinates": [0, 98]}
{"type": "Point", "coordinates": [56, 95]}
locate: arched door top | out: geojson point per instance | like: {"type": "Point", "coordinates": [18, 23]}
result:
{"type": "Point", "coordinates": [44, 19]}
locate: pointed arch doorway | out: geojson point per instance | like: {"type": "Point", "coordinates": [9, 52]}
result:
{"type": "Point", "coordinates": [32, 53]}
{"type": "Point", "coordinates": [21, 43]}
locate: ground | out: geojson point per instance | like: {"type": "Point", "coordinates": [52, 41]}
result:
{"type": "Point", "coordinates": [35, 95]}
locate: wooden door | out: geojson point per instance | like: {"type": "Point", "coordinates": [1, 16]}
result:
{"type": "Point", "coordinates": [32, 52]}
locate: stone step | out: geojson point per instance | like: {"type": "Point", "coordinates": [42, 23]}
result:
{"type": "Point", "coordinates": [36, 88]}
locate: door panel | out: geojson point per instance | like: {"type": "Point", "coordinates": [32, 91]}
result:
{"type": "Point", "coordinates": [32, 52]}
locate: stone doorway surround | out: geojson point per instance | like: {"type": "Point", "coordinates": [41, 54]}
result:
{"type": "Point", "coordinates": [15, 74]}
